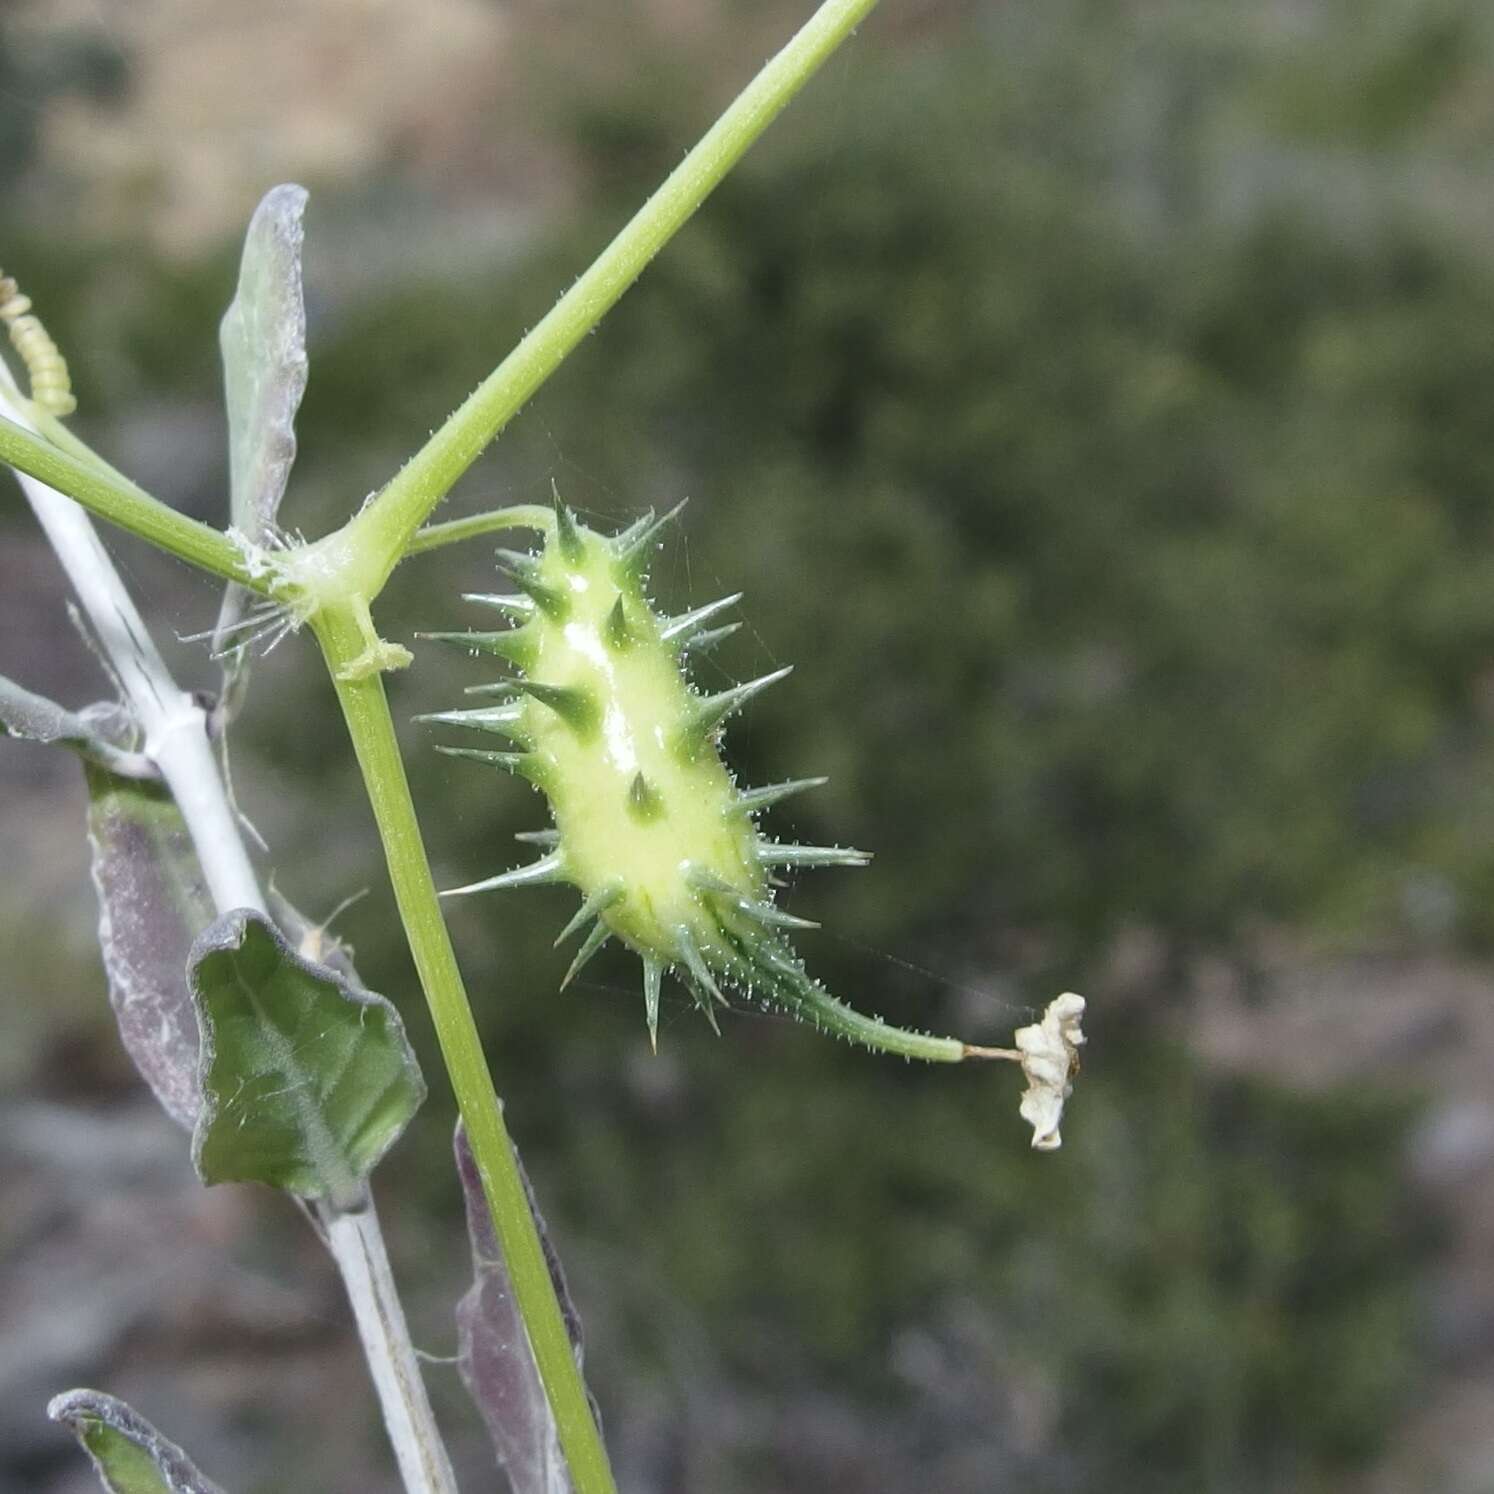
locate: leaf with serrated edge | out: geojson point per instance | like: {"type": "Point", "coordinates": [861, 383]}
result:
{"type": "Point", "coordinates": [152, 902]}
{"type": "Point", "coordinates": [263, 341]}
{"type": "Point", "coordinates": [307, 1079]}
{"type": "Point", "coordinates": [129, 1455]}
{"type": "Point", "coordinates": [493, 1352]}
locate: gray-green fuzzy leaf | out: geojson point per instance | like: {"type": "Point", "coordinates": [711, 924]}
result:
{"type": "Point", "coordinates": [34, 718]}
{"type": "Point", "coordinates": [129, 1455]}
{"type": "Point", "coordinates": [263, 341]}
{"type": "Point", "coordinates": [307, 1079]}
{"type": "Point", "coordinates": [493, 1354]}
{"type": "Point", "coordinates": [152, 903]}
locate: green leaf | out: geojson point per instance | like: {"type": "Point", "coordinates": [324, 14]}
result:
{"type": "Point", "coordinates": [152, 903]}
{"type": "Point", "coordinates": [129, 1455]}
{"type": "Point", "coordinates": [307, 1079]}
{"type": "Point", "coordinates": [263, 341]}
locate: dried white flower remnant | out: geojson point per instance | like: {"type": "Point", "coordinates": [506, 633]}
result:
{"type": "Point", "coordinates": [1049, 1054]}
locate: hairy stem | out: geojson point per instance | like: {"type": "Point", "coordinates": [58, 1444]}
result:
{"type": "Point", "coordinates": [454, 531]}
{"type": "Point", "coordinates": [366, 711]}
{"type": "Point", "coordinates": [387, 526]}
{"type": "Point", "coordinates": [100, 491]}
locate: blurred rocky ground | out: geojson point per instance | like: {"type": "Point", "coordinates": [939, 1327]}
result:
{"type": "Point", "coordinates": [1094, 400]}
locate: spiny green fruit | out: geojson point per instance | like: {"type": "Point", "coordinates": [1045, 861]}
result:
{"type": "Point", "coordinates": [648, 822]}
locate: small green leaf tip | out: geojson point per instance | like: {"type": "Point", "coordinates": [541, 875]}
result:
{"type": "Point", "coordinates": [648, 823]}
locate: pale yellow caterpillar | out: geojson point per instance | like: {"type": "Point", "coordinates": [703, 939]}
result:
{"type": "Point", "coordinates": [51, 389]}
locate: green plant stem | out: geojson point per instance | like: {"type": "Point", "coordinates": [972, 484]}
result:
{"type": "Point", "coordinates": [376, 539]}
{"type": "Point", "coordinates": [50, 428]}
{"type": "Point", "coordinates": [366, 711]}
{"type": "Point", "coordinates": [127, 506]}
{"type": "Point", "coordinates": [386, 527]}
{"type": "Point", "coordinates": [351, 568]}
{"type": "Point", "coordinates": [174, 726]}
{"type": "Point", "coordinates": [454, 531]}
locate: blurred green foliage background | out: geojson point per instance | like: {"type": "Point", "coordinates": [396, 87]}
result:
{"type": "Point", "coordinates": [1096, 403]}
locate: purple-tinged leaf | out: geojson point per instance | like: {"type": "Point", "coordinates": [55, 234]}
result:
{"type": "Point", "coordinates": [493, 1350]}
{"type": "Point", "coordinates": [152, 902]}
{"type": "Point", "coordinates": [129, 1455]}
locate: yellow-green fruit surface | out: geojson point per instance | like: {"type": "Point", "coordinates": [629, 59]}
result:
{"type": "Point", "coordinates": [648, 823]}
{"type": "Point", "coordinates": [639, 802]}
